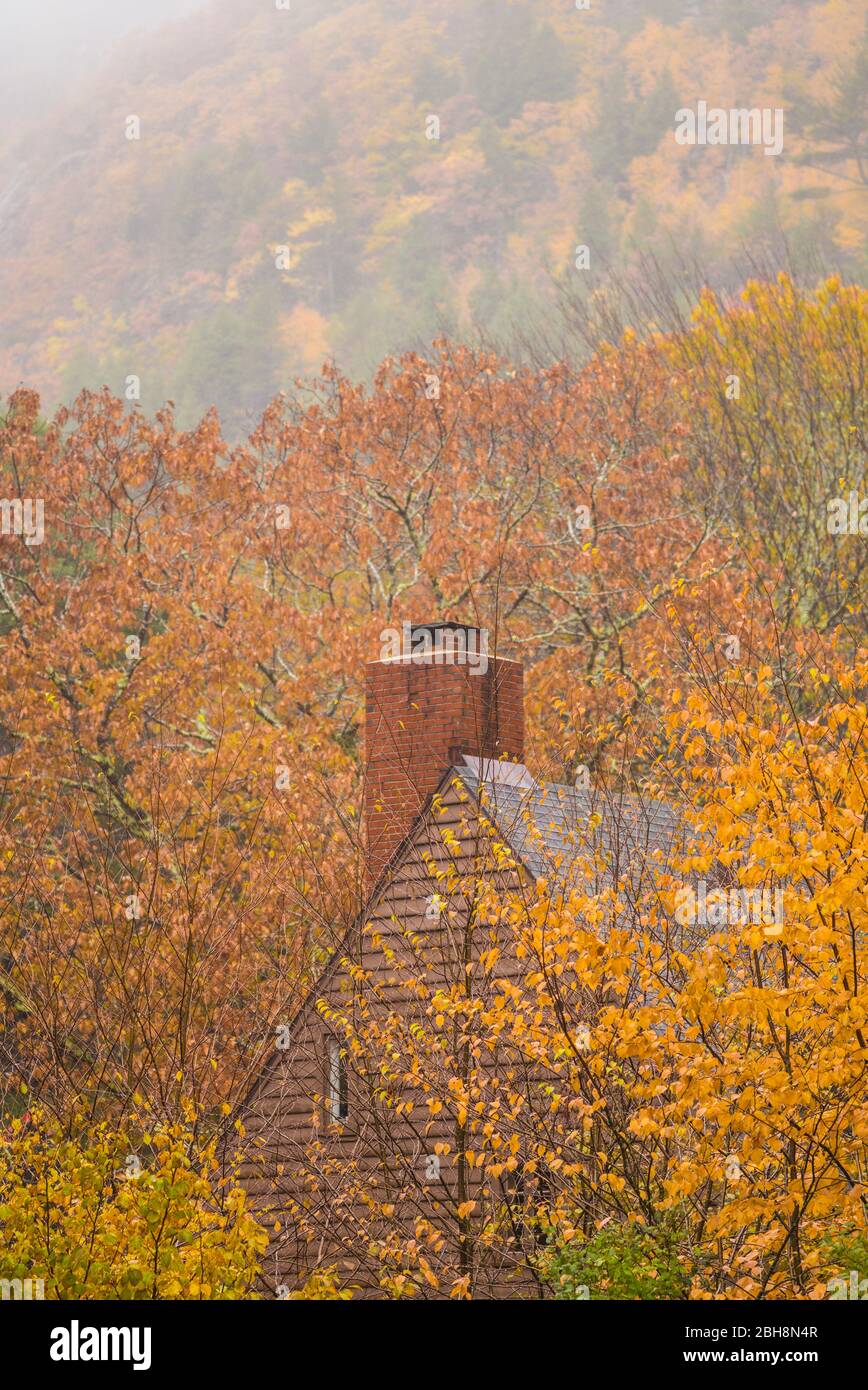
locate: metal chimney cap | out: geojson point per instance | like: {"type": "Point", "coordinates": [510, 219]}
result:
{"type": "Point", "coordinates": [444, 627]}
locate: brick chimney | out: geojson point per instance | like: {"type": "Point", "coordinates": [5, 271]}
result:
{"type": "Point", "coordinates": [434, 696]}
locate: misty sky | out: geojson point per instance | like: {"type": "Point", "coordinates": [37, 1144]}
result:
{"type": "Point", "coordinates": [45, 45]}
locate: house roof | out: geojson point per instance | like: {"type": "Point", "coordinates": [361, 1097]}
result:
{"type": "Point", "coordinates": [549, 825]}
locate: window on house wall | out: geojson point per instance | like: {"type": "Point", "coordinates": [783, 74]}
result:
{"type": "Point", "coordinates": [338, 1094]}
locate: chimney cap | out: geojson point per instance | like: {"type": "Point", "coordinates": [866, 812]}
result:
{"type": "Point", "coordinates": [420, 642]}
{"type": "Point", "coordinates": [440, 626]}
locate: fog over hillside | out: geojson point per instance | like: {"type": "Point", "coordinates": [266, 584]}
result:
{"type": "Point", "coordinates": [46, 46]}
{"type": "Point", "coordinates": [214, 196]}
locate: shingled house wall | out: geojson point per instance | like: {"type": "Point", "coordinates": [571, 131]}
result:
{"type": "Point", "coordinates": [420, 719]}
{"type": "Point", "coordinates": [287, 1111]}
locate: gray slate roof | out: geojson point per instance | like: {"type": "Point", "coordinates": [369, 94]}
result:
{"type": "Point", "coordinates": [548, 825]}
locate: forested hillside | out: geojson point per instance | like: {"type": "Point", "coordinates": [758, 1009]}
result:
{"type": "Point", "coordinates": [286, 198]}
